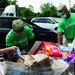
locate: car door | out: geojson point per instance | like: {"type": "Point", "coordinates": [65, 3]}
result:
{"type": "Point", "coordinates": [50, 24]}
{"type": "Point", "coordinates": [41, 22]}
{"type": "Point", "coordinates": [42, 34]}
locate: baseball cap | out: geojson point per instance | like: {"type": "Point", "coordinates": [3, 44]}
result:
{"type": "Point", "coordinates": [18, 27]}
{"type": "Point", "coordinates": [61, 9]}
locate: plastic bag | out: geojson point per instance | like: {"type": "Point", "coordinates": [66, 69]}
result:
{"type": "Point", "coordinates": [72, 44]}
{"type": "Point", "coordinates": [14, 68]}
{"type": "Point", "coordinates": [2, 68]}
{"type": "Point", "coordinates": [71, 63]}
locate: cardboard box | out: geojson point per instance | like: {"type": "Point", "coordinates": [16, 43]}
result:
{"type": "Point", "coordinates": [47, 48]}
{"type": "Point", "coordinates": [58, 68]}
{"type": "Point", "coordinates": [35, 60]}
{"type": "Point", "coordinates": [38, 63]}
{"type": "Point", "coordinates": [66, 50]}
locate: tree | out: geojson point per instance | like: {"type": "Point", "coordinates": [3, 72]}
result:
{"type": "Point", "coordinates": [48, 10]}
{"type": "Point", "coordinates": [21, 11]}
{"type": "Point", "coordinates": [53, 8]}
{"type": "Point", "coordinates": [3, 3]}
{"type": "Point", "coordinates": [73, 9]}
{"type": "Point", "coordinates": [28, 13]}
{"type": "Point", "coordinates": [12, 2]}
{"type": "Point", "coordinates": [53, 14]}
{"type": "Point", "coordinates": [31, 8]}
{"type": "Point", "coordinates": [45, 6]}
{"type": "Point", "coordinates": [25, 12]}
{"type": "Point", "coordinates": [46, 13]}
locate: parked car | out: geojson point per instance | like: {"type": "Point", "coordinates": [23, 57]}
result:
{"type": "Point", "coordinates": [46, 22]}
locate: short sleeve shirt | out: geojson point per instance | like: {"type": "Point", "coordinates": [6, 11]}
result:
{"type": "Point", "coordinates": [20, 41]}
{"type": "Point", "coordinates": [68, 26]}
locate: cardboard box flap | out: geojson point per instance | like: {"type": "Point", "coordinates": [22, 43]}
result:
{"type": "Point", "coordinates": [35, 46]}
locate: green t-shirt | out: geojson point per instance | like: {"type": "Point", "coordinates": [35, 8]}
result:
{"type": "Point", "coordinates": [20, 41]}
{"type": "Point", "coordinates": [68, 26]}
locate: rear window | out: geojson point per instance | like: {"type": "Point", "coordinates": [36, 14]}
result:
{"type": "Point", "coordinates": [5, 23]}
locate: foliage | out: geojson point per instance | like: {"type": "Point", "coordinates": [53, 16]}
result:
{"type": "Point", "coordinates": [3, 3]}
{"type": "Point", "coordinates": [47, 9]}
{"type": "Point", "coordinates": [53, 8]}
{"type": "Point", "coordinates": [46, 13]}
{"type": "Point", "coordinates": [44, 6]}
{"type": "Point", "coordinates": [21, 11]}
{"type": "Point", "coordinates": [73, 9]}
{"type": "Point", "coordinates": [53, 14]}
{"type": "Point", "coordinates": [31, 7]}
{"type": "Point", "coordinates": [25, 12]}
{"type": "Point", "coordinates": [12, 2]}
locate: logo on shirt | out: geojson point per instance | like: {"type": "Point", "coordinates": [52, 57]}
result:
{"type": "Point", "coordinates": [71, 24]}
{"type": "Point", "coordinates": [21, 41]}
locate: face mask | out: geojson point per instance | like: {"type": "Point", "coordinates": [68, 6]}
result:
{"type": "Point", "coordinates": [64, 16]}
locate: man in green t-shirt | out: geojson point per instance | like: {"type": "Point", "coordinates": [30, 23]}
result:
{"type": "Point", "coordinates": [66, 24]}
{"type": "Point", "coordinates": [19, 36]}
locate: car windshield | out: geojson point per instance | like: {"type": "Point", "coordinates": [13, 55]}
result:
{"type": "Point", "coordinates": [56, 19]}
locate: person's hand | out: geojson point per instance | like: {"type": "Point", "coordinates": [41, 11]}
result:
{"type": "Point", "coordinates": [14, 48]}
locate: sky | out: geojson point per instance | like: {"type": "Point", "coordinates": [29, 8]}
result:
{"type": "Point", "coordinates": [36, 3]}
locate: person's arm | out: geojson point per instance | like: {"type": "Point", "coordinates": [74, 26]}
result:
{"type": "Point", "coordinates": [4, 50]}
{"type": "Point", "coordinates": [30, 44]}
{"type": "Point", "coordinates": [59, 38]}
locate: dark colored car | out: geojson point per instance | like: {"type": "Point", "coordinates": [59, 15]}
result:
{"type": "Point", "coordinates": [41, 34]}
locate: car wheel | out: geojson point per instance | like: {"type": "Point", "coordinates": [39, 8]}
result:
{"type": "Point", "coordinates": [55, 28]}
